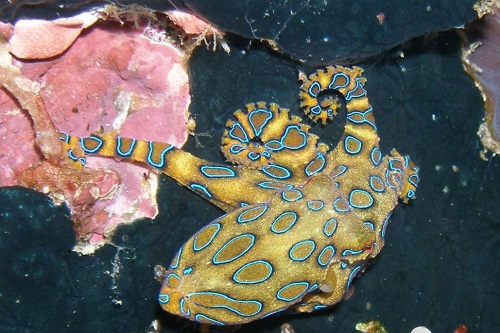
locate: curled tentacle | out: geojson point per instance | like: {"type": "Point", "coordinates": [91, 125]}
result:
{"type": "Point", "coordinates": [325, 91]}
{"type": "Point", "coordinates": [261, 132]}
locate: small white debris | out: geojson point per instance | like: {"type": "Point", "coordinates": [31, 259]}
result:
{"type": "Point", "coordinates": [420, 329]}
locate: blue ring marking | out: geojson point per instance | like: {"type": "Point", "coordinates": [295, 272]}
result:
{"type": "Point", "coordinates": [266, 154]}
{"type": "Point", "coordinates": [391, 165]}
{"type": "Point", "coordinates": [242, 140]}
{"type": "Point", "coordinates": [336, 207]}
{"type": "Point", "coordinates": [384, 225]}
{"type": "Point", "coordinates": [163, 298]}
{"type": "Point", "coordinates": [201, 318]}
{"type": "Point", "coordinates": [207, 169]}
{"type": "Point", "coordinates": [187, 270]}
{"type": "Point", "coordinates": [334, 78]}
{"type": "Point", "coordinates": [92, 137]}
{"type": "Point", "coordinates": [414, 179]}
{"type": "Point", "coordinates": [253, 156]}
{"type": "Point", "coordinates": [407, 160]}
{"type": "Point", "coordinates": [274, 145]}
{"type": "Point", "coordinates": [350, 138]}
{"type": "Point", "coordinates": [363, 115]}
{"type": "Point", "coordinates": [198, 187]}
{"type": "Point", "coordinates": [320, 306]}
{"type": "Point", "coordinates": [276, 220]}
{"type": "Point", "coordinates": [268, 185]}
{"type": "Point", "coordinates": [380, 187]}
{"type": "Point", "coordinates": [342, 169]}
{"type": "Point", "coordinates": [271, 269]}
{"type": "Point", "coordinates": [269, 170]}
{"type": "Point", "coordinates": [242, 219]}
{"type": "Point", "coordinates": [217, 262]}
{"type": "Point", "coordinates": [308, 168]}
{"type": "Point", "coordinates": [396, 180]}
{"type": "Point", "coordinates": [343, 265]}
{"type": "Point", "coordinates": [351, 252]}
{"type": "Point", "coordinates": [329, 113]}
{"type": "Point", "coordinates": [181, 307]}
{"type": "Point", "coordinates": [410, 194]}
{"type": "Point", "coordinates": [376, 156]}
{"type": "Point", "coordinates": [387, 179]}
{"type": "Point", "coordinates": [119, 147]}
{"type": "Point", "coordinates": [64, 137]}
{"type": "Point", "coordinates": [195, 246]}
{"type": "Point", "coordinates": [288, 195]}
{"type": "Point", "coordinates": [176, 260]}
{"type": "Point", "coordinates": [225, 306]}
{"type": "Point", "coordinates": [351, 276]}
{"type": "Point", "coordinates": [258, 132]}
{"type": "Point", "coordinates": [350, 95]}
{"type": "Point", "coordinates": [310, 90]}
{"type": "Point", "coordinates": [304, 136]}
{"type": "Point", "coordinates": [327, 227]}
{"type": "Point", "coordinates": [167, 278]}
{"type": "Point", "coordinates": [366, 193]}
{"type": "Point", "coordinates": [307, 241]}
{"type": "Point", "coordinates": [71, 155]}
{"type": "Point", "coordinates": [311, 205]}
{"type": "Point", "coordinates": [281, 298]}
{"type": "Point", "coordinates": [316, 110]}
{"type": "Point", "coordinates": [82, 160]}
{"type": "Point", "coordinates": [236, 149]}
{"type": "Point", "coordinates": [369, 225]}
{"type": "Point", "coordinates": [160, 164]}
{"type": "Point", "coordinates": [326, 248]}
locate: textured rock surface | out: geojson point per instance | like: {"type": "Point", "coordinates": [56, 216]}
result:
{"type": "Point", "coordinates": [482, 61]}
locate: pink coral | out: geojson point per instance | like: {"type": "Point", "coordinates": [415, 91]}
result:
{"type": "Point", "coordinates": [111, 78]}
{"type": "Point", "coordinates": [40, 39]}
{"type": "Point", "coordinates": [191, 24]}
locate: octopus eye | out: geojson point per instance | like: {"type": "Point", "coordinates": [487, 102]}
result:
{"type": "Point", "coordinates": [256, 141]}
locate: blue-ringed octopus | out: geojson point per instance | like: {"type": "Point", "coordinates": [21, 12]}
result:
{"type": "Point", "coordinates": [301, 219]}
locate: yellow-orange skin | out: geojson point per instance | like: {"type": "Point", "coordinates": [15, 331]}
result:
{"type": "Point", "coordinates": [301, 219]}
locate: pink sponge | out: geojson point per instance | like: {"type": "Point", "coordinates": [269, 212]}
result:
{"type": "Point", "coordinates": [111, 78]}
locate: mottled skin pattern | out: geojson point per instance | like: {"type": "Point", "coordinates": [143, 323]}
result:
{"type": "Point", "coordinates": [300, 222]}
